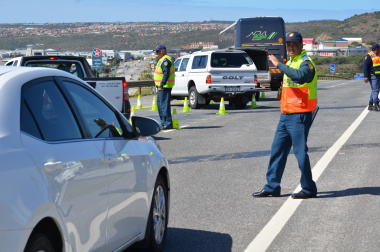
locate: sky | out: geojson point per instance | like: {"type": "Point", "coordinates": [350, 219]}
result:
{"type": "Point", "coordinates": [68, 11]}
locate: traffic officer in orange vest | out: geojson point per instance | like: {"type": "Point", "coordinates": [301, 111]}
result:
{"type": "Point", "coordinates": [164, 77]}
{"type": "Point", "coordinates": [298, 101]}
{"type": "Point", "coordinates": [371, 70]}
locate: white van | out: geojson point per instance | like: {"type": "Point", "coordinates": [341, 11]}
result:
{"type": "Point", "coordinates": [210, 75]}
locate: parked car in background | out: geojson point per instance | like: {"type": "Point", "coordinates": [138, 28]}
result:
{"type": "Point", "coordinates": [54, 123]}
{"type": "Point", "coordinates": [115, 89]}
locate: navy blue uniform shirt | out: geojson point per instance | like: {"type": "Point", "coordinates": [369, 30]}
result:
{"type": "Point", "coordinates": [368, 67]}
{"type": "Point", "coordinates": [302, 75]}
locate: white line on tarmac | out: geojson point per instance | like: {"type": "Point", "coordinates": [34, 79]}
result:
{"type": "Point", "coordinates": [266, 236]}
{"type": "Point", "coordinates": [344, 83]}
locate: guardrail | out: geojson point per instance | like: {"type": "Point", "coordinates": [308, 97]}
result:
{"type": "Point", "coordinates": [150, 83]}
{"type": "Point", "coordinates": [332, 77]}
{"type": "Point", "coordinates": [141, 83]}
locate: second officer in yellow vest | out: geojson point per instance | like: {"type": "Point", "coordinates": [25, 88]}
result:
{"type": "Point", "coordinates": [298, 100]}
{"type": "Point", "coordinates": [164, 77]}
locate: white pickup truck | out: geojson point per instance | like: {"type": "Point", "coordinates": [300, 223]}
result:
{"type": "Point", "coordinates": [211, 75]}
{"type": "Point", "coordinates": [114, 89]}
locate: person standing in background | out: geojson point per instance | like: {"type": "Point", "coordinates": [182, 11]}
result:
{"type": "Point", "coordinates": [371, 70]}
{"type": "Point", "coordinates": [164, 78]}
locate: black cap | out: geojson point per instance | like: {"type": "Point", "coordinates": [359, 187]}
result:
{"type": "Point", "coordinates": [293, 37]}
{"type": "Point", "coordinates": [99, 121]}
{"type": "Point", "coordinates": [375, 46]}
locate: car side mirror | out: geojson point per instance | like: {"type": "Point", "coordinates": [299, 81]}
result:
{"type": "Point", "coordinates": [144, 126]}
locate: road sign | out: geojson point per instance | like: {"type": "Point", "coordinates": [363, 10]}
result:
{"type": "Point", "coordinates": [97, 59]}
{"type": "Point", "coordinates": [332, 68]}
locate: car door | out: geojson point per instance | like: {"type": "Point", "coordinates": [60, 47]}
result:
{"type": "Point", "coordinates": [52, 135]}
{"type": "Point", "coordinates": [181, 75]}
{"type": "Point", "coordinates": [127, 165]}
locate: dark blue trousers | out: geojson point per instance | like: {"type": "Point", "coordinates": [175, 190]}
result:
{"type": "Point", "coordinates": [375, 84]}
{"type": "Point", "coordinates": [163, 105]}
{"type": "Point", "coordinates": [292, 130]}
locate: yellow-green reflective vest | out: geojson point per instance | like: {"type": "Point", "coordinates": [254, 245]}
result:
{"type": "Point", "coordinates": [295, 97]}
{"type": "Point", "coordinates": [159, 74]}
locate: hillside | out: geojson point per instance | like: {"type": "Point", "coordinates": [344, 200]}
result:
{"type": "Point", "coordinates": [356, 26]}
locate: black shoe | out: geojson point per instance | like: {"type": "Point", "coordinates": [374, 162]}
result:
{"type": "Point", "coordinates": [302, 195]}
{"type": "Point", "coordinates": [377, 108]}
{"type": "Point", "coordinates": [166, 128]}
{"type": "Point", "coordinates": [370, 106]}
{"type": "Point", "coordinates": [263, 193]}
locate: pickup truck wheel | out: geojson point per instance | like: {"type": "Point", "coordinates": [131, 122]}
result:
{"type": "Point", "coordinates": [257, 96]}
{"type": "Point", "coordinates": [193, 98]}
{"type": "Point", "coordinates": [239, 104]}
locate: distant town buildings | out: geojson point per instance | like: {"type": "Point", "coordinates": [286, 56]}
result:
{"type": "Point", "coordinates": [334, 47]}
{"type": "Point", "coordinates": [328, 47]}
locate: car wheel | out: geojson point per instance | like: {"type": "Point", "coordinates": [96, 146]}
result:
{"type": "Point", "coordinates": [39, 242]}
{"type": "Point", "coordinates": [193, 98]}
{"type": "Point", "coordinates": [158, 216]}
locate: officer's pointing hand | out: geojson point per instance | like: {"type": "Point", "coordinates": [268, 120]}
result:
{"type": "Point", "coordinates": [274, 60]}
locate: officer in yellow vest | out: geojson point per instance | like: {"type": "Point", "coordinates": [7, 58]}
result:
{"type": "Point", "coordinates": [371, 70]}
{"type": "Point", "coordinates": [298, 100]}
{"type": "Point", "coordinates": [164, 77]}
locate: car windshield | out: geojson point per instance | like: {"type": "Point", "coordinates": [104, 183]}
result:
{"type": "Point", "coordinates": [230, 60]}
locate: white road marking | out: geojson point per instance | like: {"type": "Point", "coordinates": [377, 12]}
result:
{"type": "Point", "coordinates": [266, 236]}
{"type": "Point", "coordinates": [344, 83]}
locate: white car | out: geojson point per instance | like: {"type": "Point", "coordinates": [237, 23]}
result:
{"type": "Point", "coordinates": [211, 75]}
{"type": "Point", "coordinates": [50, 119]}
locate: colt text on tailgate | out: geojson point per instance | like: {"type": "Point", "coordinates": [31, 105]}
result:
{"type": "Point", "coordinates": [233, 77]}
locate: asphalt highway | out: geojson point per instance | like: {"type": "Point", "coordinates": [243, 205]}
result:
{"type": "Point", "coordinates": [218, 161]}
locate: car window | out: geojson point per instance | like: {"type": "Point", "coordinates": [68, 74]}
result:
{"type": "Point", "coordinates": [184, 64]}
{"type": "Point", "coordinates": [52, 118]}
{"type": "Point", "coordinates": [230, 60]}
{"type": "Point", "coordinates": [176, 64]}
{"type": "Point", "coordinates": [9, 63]}
{"type": "Point", "coordinates": [28, 124]}
{"type": "Point", "coordinates": [100, 119]}
{"type": "Point", "coordinates": [200, 62]}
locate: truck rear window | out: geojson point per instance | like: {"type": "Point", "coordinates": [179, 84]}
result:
{"type": "Point", "coordinates": [230, 60]}
{"type": "Point", "coordinates": [70, 67]}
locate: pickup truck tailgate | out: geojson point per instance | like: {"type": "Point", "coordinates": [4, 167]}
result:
{"type": "Point", "coordinates": [110, 88]}
{"type": "Point", "coordinates": [233, 78]}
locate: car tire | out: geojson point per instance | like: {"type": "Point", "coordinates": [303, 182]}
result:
{"type": "Point", "coordinates": [239, 104]}
{"type": "Point", "coordinates": [39, 242]}
{"type": "Point", "coordinates": [158, 217]}
{"type": "Point", "coordinates": [193, 98]}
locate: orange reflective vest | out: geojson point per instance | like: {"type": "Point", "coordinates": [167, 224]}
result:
{"type": "Point", "coordinates": [295, 97]}
{"type": "Point", "coordinates": [159, 74]}
{"type": "Point", "coordinates": [375, 62]}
